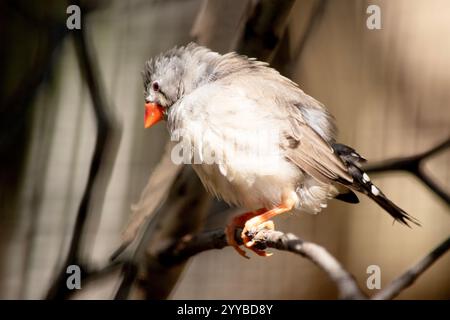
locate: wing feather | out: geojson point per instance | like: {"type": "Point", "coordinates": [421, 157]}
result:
{"type": "Point", "coordinates": [313, 154]}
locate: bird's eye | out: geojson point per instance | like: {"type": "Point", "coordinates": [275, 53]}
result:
{"type": "Point", "coordinates": [155, 86]}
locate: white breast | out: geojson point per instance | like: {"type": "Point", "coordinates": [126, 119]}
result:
{"type": "Point", "coordinates": [235, 149]}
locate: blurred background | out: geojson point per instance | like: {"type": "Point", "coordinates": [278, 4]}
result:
{"type": "Point", "coordinates": [388, 89]}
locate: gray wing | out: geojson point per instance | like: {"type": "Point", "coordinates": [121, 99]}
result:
{"type": "Point", "coordinates": [311, 152]}
{"type": "Point", "coordinates": [308, 129]}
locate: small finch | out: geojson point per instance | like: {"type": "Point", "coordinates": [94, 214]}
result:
{"type": "Point", "coordinates": [257, 140]}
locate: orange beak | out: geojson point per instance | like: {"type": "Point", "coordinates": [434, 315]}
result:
{"type": "Point", "coordinates": [153, 114]}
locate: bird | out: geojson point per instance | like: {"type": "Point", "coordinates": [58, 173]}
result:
{"type": "Point", "coordinates": [254, 138]}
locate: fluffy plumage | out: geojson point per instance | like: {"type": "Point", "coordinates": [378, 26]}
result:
{"type": "Point", "coordinates": [256, 138]}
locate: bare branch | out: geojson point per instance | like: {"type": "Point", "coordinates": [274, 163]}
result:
{"type": "Point", "coordinates": [217, 23]}
{"type": "Point", "coordinates": [106, 144]}
{"type": "Point", "coordinates": [264, 30]}
{"type": "Point", "coordinates": [154, 193]}
{"type": "Point", "coordinates": [408, 278]}
{"type": "Point", "coordinates": [190, 246]}
{"type": "Point", "coordinates": [414, 165]}
{"type": "Point", "coordinates": [168, 224]}
{"type": "Point", "coordinates": [177, 253]}
{"type": "Point", "coordinates": [345, 282]}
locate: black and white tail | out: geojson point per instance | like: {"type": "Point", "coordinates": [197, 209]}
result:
{"type": "Point", "coordinates": [362, 183]}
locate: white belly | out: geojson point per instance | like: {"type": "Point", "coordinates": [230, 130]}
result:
{"type": "Point", "coordinates": [234, 148]}
{"type": "Point", "coordinates": [250, 190]}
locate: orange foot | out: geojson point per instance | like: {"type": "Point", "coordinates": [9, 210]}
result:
{"type": "Point", "coordinates": [239, 222]}
{"type": "Point", "coordinates": [252, 222]}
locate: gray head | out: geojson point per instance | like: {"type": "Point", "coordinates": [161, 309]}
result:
{"type": "Point", "coordinates": [177, 72]}
{"type": "Point", "coordinates": [173, 74]}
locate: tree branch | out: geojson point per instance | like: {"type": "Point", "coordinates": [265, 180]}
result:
{"type": "Point", "coordinates": [216, 239]}
{"type": "Point", "coordinates": [411, 275]}
{"type": "Point", "coordinates": [177, 253]}
{"type": "Point", "coordinates": [106, 144]}
{"type": "Point", "coordinates": [189, 246]}
{"type": "Point", "coordinates": [264, 30]}
{"type": "Point", "coordinates": [414, 165]}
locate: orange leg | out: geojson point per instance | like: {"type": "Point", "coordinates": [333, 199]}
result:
{"type": "Point", "coordinates": [254, 224]}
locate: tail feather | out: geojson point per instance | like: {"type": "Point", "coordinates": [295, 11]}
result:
{"type": "Point", "coordinates": [396, 212]}
{"type": "Point", "coordinates": [347, 196]}
{"type": "Point", "coordinates": [362, 183]}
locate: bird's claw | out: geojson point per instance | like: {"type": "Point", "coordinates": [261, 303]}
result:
{"type": "Point", "coordinates": [229, 232]}
{"type": "Point", "coordinates": [250, 231]}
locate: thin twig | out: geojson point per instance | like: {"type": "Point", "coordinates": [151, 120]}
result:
{"type": "Point", "coordinates": [104, 125]}
{"type": "Point", "coordinates": [411, 275]}
{"type": "Point", "coordinates": [415, 165]}
{"type": "Point", "coordinates": [89, 276]}
{"type": "Point", "coordinates": [129, 272]}
{"type": "Point", "coordinates": [345, 282]}
{"type": "Point", "coordinates": [177, 253]}
{"type": "Point", "coordinates": [216, 239]}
